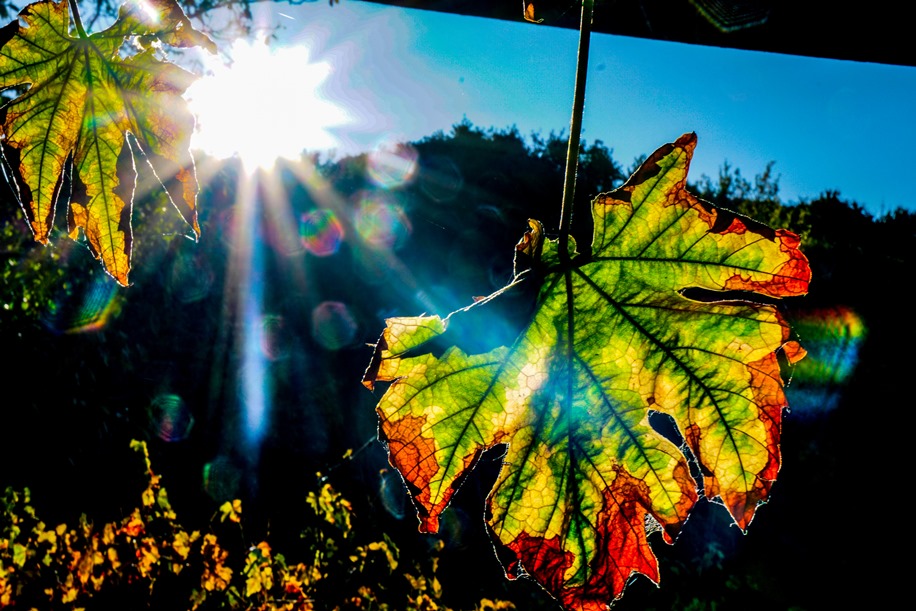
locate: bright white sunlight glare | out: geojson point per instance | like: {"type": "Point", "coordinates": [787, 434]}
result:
{"type": "Point", "coordinates": [263, 106]}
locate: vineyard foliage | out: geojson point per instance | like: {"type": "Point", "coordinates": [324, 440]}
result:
{"type": "Point", "coordinates": [149, 557]}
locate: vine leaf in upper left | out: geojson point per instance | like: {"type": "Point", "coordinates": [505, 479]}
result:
{"type": "Point", "coordinates": [82, 94]}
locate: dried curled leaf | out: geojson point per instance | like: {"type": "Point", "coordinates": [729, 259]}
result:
{"type": "Point", "coordinates": [528, 12]}
{"type": "Point", "coordinates": [85, 94]}
{"type": "Point", "coordinates": [616, 335]}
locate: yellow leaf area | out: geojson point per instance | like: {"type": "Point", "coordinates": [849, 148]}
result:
{"type": "Point", "coordinates": [84, 94]}
{"type": "Point", "coordinates": [68, 566]}
{"type": "Point", "coordinates": [616, 335]}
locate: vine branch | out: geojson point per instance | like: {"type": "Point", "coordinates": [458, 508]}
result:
{"type": "Point", "coordinates": [77, 21]}
{"type": "Point", "coordinates": [575, 127]}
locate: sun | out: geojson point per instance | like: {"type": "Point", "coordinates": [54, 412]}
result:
{"type": "Point", "coordinates": [266, 104]}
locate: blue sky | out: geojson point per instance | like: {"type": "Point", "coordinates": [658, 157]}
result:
{"type": "Point", "coordinates": [403, 74]}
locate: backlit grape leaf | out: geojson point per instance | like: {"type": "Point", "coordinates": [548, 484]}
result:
{"type": "Point", "coordinates": [85, 94]}
{"type": "Point", "coordinates": [613, 338]}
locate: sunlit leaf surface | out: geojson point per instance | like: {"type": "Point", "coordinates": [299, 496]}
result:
{"type": "Point", "coordinates": [613, 338]}
{"type": "Point", "coordinates": [84, 94]}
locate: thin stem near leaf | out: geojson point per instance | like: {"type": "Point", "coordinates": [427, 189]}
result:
{"type": "Point", "coordinates": [575, 127]}
{"type": "Point", "coordinates": [77, 20]}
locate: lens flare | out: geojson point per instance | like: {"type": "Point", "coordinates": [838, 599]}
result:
{"type": "Point", "coordinates": [371, 267]}
{"type": "Point", "coordinates": [222, 479]}
{"type": "Point", "coordinates": [273, 344]}
{"type": "Point", "coordinates": [254, 379]}
{"type": "Point", "coordinates": [191, 279]}
{"type": "Point", "coordinates": [393, 494]}
{"type": "Point", "coordinates": [84, 309]}
{"type": "Point", "coordinates": [440, 179]}
{"type": "Point", "coordinates": [381, 221]}
{"type": "Point", "coordinates": [255, 382]}
{"type": "Point", "coordinates": [150, 11]}
{"type": "Point", "coordinates": [392, 166]}
{"type": "Point", "coordinates": [832, 338]}
{"type": "Point", "coordinates": [170, 419]}
{"type": "Point", "coordinates": [454, 523]}
{"type": "Point", "coordinates": [321, 233]}
{"type": "Point", "coordinates": [281, 234]}
{"type": "Point", "coordinates": [229, 227]}
{"type": "Point", "coordinates": [333, 326]}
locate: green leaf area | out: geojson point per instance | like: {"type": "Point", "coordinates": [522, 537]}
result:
{"type": "Point", "coordinates": [84, 93]}
{"type": "Point", "coordinates": [657, 318]}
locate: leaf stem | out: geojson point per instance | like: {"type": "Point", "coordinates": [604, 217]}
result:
{"type": "Point", "coordinates": [575, 127]}
{"type": "Point", "coordinates": [77, 21]}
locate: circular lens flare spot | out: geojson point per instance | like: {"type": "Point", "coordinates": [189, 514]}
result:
{"type": "Point", "coordinates": [392, 166]}
{"type": "Point", "coordinates": [222, 479]}
{"type": "Point", "coordinates": [381, 222]}
{"type": "Point", "coordinates": [333, 326]}
{"type": "Point", "coordinates": [191, 279]}
{"type": "Point", "coordinates": [272, 338]}
{"type": "Point", "coordinates": [320, 232]}
{"type": "Point", "coordinates": [371, 266]}
{"type": "Point", "coordinates": [169, 418]}
{"type": "Point", "coordinates": [393, 494]}
{"type": "Point", "coordinates": [440, 179]}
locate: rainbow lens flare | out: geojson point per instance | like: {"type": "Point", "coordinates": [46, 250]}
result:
{"type": "Point", "coordinates": [85, 309]}
{"type": "Point", "coordinates": [333, 326]}
{"type": "Point", "coordinates": [392, 166]}
{"type": "Point", "coordinates": [320, 232]}
{"type": "Point", "coordinates": [381, 221]}
{"type": "Point", "coordinates": [832, 337]}
{"type": "Point", "coordinates": [222, 479]}
{"type": "Point", "coordinates": [170, 419]}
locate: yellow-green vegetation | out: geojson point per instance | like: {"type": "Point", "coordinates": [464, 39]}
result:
{"type": "Point", "coordinates": [150, 556]}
